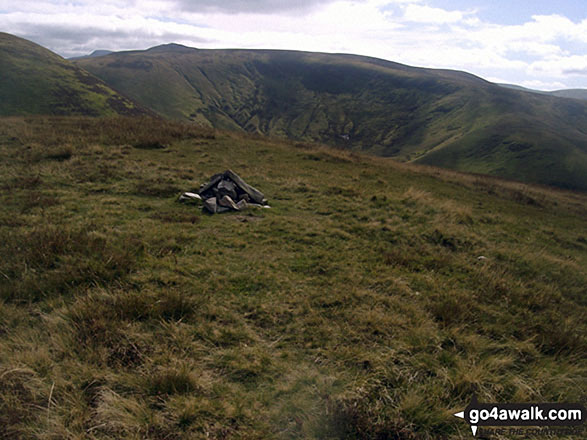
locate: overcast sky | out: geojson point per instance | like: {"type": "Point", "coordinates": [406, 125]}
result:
{"type": "Point", "coordinates": [535, 43]}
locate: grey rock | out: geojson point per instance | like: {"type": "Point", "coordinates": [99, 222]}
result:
{"type": "Point", "coordinates": [226, 188]}
{"type": "Point", "coordinates": [189, 197]}
{"type": "Point", "coordinates": [255, 195]}
{"type": "Point", "coordinates": [206, 189]}
{"type": "Point", "coordinates": [227, 202]}
{"type": "Point", "coordinates": [220, 193]}
{"type": "Point", "coordinates": [211, 205]}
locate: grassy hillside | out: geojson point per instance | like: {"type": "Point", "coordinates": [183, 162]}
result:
{"type": "Point", "coordinates": [438, 117]}
{"type": "Point", "coordinates": [371, 302]}
{"type": "Point", "coordinates": [35, 81]}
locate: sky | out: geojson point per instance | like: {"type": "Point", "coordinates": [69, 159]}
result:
{"type": "Point", "coordinates": [541, 44]}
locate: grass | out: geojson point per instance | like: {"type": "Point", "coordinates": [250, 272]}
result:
{"type": "Point", "coordinates": [358, 307]}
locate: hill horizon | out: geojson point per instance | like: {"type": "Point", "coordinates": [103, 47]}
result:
{"type": "Point", "coordinates": [563, 93]}
{"type": "Point", "coordinates": [437, 117]}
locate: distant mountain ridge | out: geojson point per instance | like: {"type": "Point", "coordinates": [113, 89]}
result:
{"type": "Point", "coordinates": [96, 53]}
{"type": "Point", "coordinates": [437, 117]}
{"type": "Point", "coordinates": [36, 81]}
{"type": "Point", "coordinates": [444, 118]}
{"type": "Point", "coordinates": [564, 93]}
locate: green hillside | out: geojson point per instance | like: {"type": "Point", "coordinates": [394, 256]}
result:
{"type": "Point", "coordinates": [35, 81]}
{"type": "Point", "coordinates": [372, 301]}
{"type": "Point", "coordinates": [445, 118]}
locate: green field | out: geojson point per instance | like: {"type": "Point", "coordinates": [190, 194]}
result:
{"type": "Point", "coordinates": [357, 307]}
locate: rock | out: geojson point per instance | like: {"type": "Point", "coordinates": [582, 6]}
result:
{"type": "Point", "coordinates": [206, 189]}
{"type": "Point", "coordinates": [255, 195]}
{"type": "Point", "coordinates": [211, 205]}
{"type": "Point", "coordinates": [227, 202]}
{"type": "Point", "coordinates": [226, 188]}
{"type": "Point", "coordinates": [223, 189]}
{"type": "Point", "coordinates": [189, 197]}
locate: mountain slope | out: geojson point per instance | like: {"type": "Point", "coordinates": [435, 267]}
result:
{"type": "Point", "coordinates": [34, 80]}
{"type": "Point", "coordinates": [440, 117]}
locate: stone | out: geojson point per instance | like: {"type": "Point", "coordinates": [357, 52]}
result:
{"type": "Point", "coordinates": [211, 205]}
{"type": "Point", "coordinates": [226, 188]}
{"type": "Point", "coordinates": [255, 195]}
{"type": "Point", "coordinates": [206, 189]}
{"type": "Point", "coordinates": [227, 191]}
{"type": "Point", "coordinates": [190, 197]}
{"type": "Point", "coordinates": [227, 202]}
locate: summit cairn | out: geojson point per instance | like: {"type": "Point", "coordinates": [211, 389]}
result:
{"type": "Point", "coordinates": [227, 192]}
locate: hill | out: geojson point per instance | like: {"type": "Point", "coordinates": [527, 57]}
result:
{"type": "Point", "coordinates": [571, 93]}
{"type": "Point", "coordinates": [370, 302]}
{"type": "Point", "coordinates": [446, 118]}
{"type": "Point", "coordinates": [564, 93]}
{"type": "Point", "coordinates": [96, 53]}
{"type": "Point", "coordinates": [35, 81]}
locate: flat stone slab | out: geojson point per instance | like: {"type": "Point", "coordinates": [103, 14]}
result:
{"type": "Point", "coordinates": [190, 197]}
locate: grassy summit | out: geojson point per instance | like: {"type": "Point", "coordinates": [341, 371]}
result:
{"type": "Point", "coordinates": [358, 307]}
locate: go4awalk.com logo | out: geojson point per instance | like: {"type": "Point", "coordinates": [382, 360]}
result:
{"type": "Point", "coordinates": [522, 414]}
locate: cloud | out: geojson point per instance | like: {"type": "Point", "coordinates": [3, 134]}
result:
{"type": "Point", "coordinates": [550, 29]}
{"type": "Point", "coordinates": [249, 6]}
{"type": "Point", "coordinates": [73, 33]}
{"type": "Point", "coordinates": [82, 41]}
{"type": "Point", "coordinates": [560, 67]}
{"type": "Point", "coordinates": [427, 14]}
{"type": "Point", "coordinates": [547, 48]}
{"type": "Point", "coordinates": [541, 85]}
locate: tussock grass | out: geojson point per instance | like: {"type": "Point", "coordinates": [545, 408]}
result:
{"type": "Point", "coordinates": [357, 307]}
{"type": "Point", "coordinates": [57, 134]}
{"type": "Point", "coordinates": [53, 260]}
